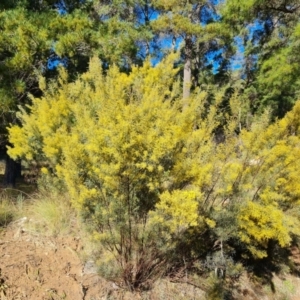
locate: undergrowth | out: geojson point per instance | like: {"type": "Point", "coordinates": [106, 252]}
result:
{"type": "Point", "coordinates": [50, 214]}
{"type": "Point", "coordinates": [7, 211]}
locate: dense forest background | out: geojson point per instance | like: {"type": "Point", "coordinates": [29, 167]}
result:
{"type": "Point", "coordinates": [172, 125]}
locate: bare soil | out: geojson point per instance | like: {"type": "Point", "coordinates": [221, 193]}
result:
{"type": "Point", "coordinates": [36, 267]}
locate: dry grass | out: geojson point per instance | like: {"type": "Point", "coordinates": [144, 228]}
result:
{"type": "Point", "coordinates": [2, 166]}
{"type": "Point", "coordinates": [7, 211]}
{"type": "Point", "coordinates": [50, 215]}
{"type": "Point", "coordinates": [11, 207]}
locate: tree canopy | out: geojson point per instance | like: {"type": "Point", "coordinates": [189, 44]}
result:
{"type": "Point", "coordinates": [270, 33]}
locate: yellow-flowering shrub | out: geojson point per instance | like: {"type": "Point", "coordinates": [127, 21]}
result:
{"type": "Point", "coordinates": [255, 194]}
{"type": "Point", "coordinates": [116, 140]}
{"type": "Point", "coordinates": [135, 162]}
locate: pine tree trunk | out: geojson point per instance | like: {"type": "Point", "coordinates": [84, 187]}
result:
{"type": "Point", "coordinates": [187, 76]}
{"type": "Point", "coordinates": [12, 171]}
{"type": "Point", "coordinates": [187, 72]}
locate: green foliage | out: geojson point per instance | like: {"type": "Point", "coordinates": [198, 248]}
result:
{"type": "Point", "coordinates": [203, 35]}
{"type": "Point", "coordinates": [270, 68]}
{"type": "Point", "coordinates": [23, 49]}
{"type": "Point", "coordinates": [279, 75]}
{"type": "Point", "coordinates": [26, 43]}
{"type": "Point", "coordinates": [34, 32]}
{"type": "Point", "coordinates": [216, 289]}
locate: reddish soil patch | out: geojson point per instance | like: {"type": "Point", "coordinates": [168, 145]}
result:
{"type": "Point", "coordinates": [35, 267]}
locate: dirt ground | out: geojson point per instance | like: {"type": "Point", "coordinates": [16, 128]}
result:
{"type": "Point", "coordinates": [35, 267]}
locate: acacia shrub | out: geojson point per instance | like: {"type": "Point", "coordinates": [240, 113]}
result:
{"type": "Point", "coordinates": [146, 173]}
{"type": "Point", "coordinates": [114, 140]}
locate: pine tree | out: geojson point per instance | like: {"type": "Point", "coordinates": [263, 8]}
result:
{"type": "Point", "coordinates": [35, 34]}
{"type": "Point", "coordinates": [268, 30]}
{"type": "Point", "coordinates": [196, 24]}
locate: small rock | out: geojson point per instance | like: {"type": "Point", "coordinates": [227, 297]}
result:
{"type": "Point", "coordinates": [90, 267]}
